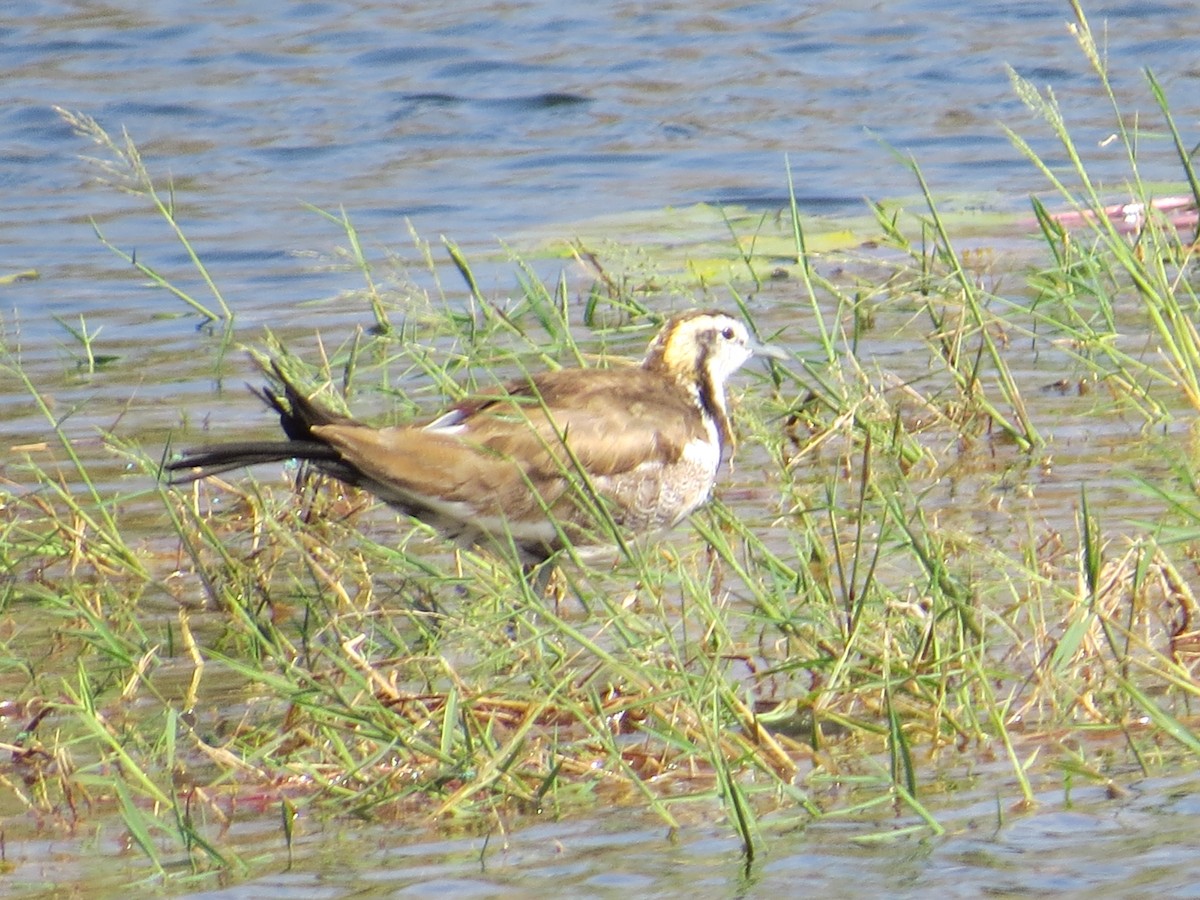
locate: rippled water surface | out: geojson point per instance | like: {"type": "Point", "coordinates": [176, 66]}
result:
{"type": "Point", "coordinates": [479, 121]}
{"type": "Point", "coordinates": [483, 122]}
{"type": "Point", "coordinates": [487, 122]}
{"type": "Point", "coordinates": [1088, 843]}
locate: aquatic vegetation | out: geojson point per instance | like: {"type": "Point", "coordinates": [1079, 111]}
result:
{"type": "Point", "coordinates": [916, 575]}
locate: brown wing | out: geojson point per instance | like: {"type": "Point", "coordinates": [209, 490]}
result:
{"type": "Point", "coordinates": [612, 420]}
{"type": "Point", "coordinates": [412, 467]}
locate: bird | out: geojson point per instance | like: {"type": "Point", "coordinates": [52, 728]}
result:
{"type": "Point", "coordinates": [540, 463]}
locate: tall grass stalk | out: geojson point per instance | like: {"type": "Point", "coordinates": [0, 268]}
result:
{"type": "Point", "coordinates": [122, 168]}
{"type": "Point", "coordinates": [1152, 262]}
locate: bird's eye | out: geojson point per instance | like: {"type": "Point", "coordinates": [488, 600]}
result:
{"type": "Point", "coordinates": [727, 334]}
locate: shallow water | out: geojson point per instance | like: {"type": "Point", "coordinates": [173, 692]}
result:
{"type": "Point", "coordinates": [490, 121]}
{"type": "Point", "coordinates": [1088, 842]}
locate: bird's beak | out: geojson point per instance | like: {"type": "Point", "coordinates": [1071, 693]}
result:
{"type": "Point", "coordinates": [768, 350]}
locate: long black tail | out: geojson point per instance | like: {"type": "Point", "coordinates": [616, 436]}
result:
{"type": "Point", "coordinates": [217, 458]}
{"type": "Point", "coordinates": [297, 414]}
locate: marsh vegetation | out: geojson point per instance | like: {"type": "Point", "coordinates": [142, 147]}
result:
{"type": "Point", "coordinates": [958, 543]}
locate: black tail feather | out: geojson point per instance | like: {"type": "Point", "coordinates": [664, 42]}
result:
{"type": "Point", "coordinates": [298, 415]}
{"type": "Point", "coordinates": [205, 461]}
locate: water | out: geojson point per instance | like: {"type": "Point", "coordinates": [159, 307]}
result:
{"type": "Point", "coordinates": [486, 121]}
{"type": "Point", "coordinates": [1087, 843]}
